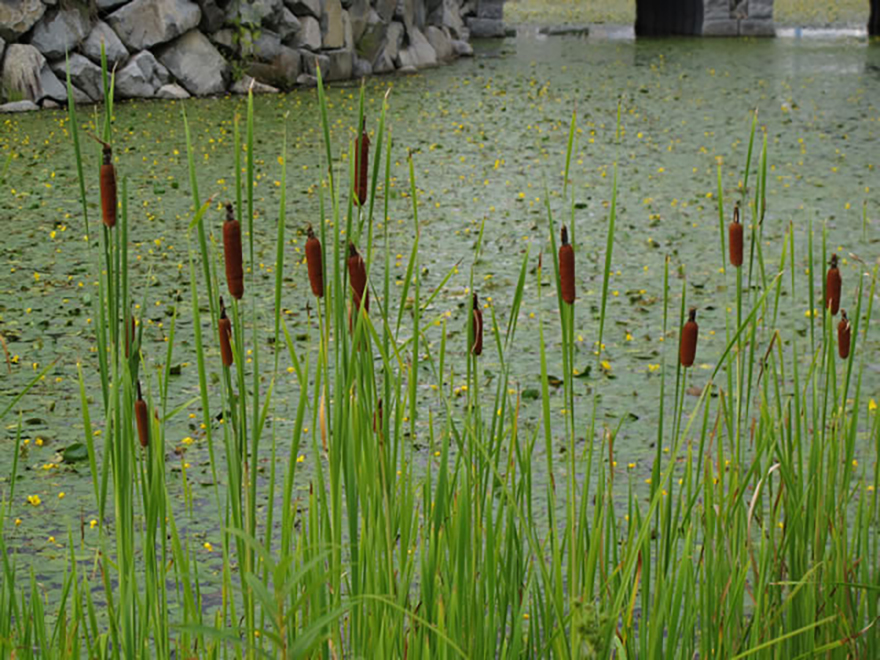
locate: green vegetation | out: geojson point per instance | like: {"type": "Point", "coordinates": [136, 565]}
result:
{"type": "Point", "coordinates": [755, 534]}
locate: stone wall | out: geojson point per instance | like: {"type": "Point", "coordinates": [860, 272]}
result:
{"type": "Point", "coordinates": [179, 48]}
{"type": "Point", "coordinates": [732, 18]}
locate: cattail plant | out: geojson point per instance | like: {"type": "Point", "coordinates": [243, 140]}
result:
{"type": "Point", "coordinates": [687, 349]}
{"type": "Point", "coordinates": [832, 286]}
{"type": "Point", "coordinates": [357, 276]}
{"type": "Point", "coordinates": [735, 239]}
{"type": "Point", "coordinates": [477, 342]}
{"type": "Point", "coordinates": [129, 336]}
{"type": "Point", "coordinates": [566, 267]}
{"type": "Point", "coordinates": [315, 263]}
{"type": "Point", "coordinates": [224, 326]}
{"type": "Point", "coordinates": [844, 335]}
{"type": "Point", "coordinates": [232, 254]}
{"type": "Point", "coordinates": [142, 416]}
{"type": "Point", "coordinates": [362, 164]}
{"type": "Point", "coordinates": [108, 186]}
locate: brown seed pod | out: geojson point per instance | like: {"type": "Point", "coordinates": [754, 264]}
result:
{"type": "Point", "coordinates": [477, 342]}
{"type": "Point", "coordinates": [735, 239]}
{"type": "Point", "coordinates": [832, 287]}
{"type": "Point", "coordinates": [566, 267]}
{"type": "Point", "coordinates": [844, 335]}
{"type": "Point", "coordinates": [232, 254]}
{"type": "Point", "coordinates": [108, 188]}
{"type": "Point", "coordinates": [224, 326]}
{"type": "Point", "coordinates": [377, 418]}
{"type": "Point", "coordinates": [687, 349]}
{"type": "Point", "coordinates": [362, 165]}
{"type": "Point", "coordinates": [315, 263]}
{"type": "Point", "coordinates": [142, 416]}
{"type": "Point", "coordinates": [357, 278]}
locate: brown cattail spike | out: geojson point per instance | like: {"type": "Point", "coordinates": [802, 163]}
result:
{"type": "Point", "coordinates": [844, 336]}
{"type": "Point", "coordinates": [362, 164]}
{"type": "Point", "coordinates": [315, 263]}
{"type": "Point", "coordinates": [735, 239]}
{"type": "Point", "coordinates": [224, 327]}
{"type": "Point", "coordinates": [108, 188]}
{"type": "Point", "coordinates": [357, 276]}
{"type": "Point", "coordinates": [566, 267]}
{"type": "Point", "coordinates": [832, 287]}
{"type": "Point", "coordinates": [232, 254]}
{"type": "Point", "coordinates": [477, 343]}
{"type": "Point", "coordinates": [142, 417]}
{"type": "Point", "coordinates": [687, 350]}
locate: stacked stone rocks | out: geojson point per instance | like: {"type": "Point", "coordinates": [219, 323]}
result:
{"type": "Point", "coordinates": [178, 48]}
{"type": "Point", "coordinates": [733, 18]}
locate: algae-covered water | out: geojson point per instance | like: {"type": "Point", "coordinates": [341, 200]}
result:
{"type": "Point", "coordinates": [489, 136]}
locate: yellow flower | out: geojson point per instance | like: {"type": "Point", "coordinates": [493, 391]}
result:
{"type": "Point", "coordinates": [61, 495]}
{"type": "Point", "coordinates": [93, 523]}
{"type": "Point", "coordinates": [606, 365]}
{"type": "Point", "coordinates": [17, 522]}
{"type": "Point", "coordinates": [34, 500]}
{"type": "Point", "coordinates": [39, 441]}
{"type": "Point", "coordinates": [208, 547]}
{"type": "Point", "coordinates": [872, 405]}
{"type": "Point", "coordinates": [301, 458]}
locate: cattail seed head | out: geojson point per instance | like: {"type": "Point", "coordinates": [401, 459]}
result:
{"type": "Point", "coordinates": [832, 286]}
{"type": "Point", "coordinates": [232, 254]}
{"type": "Point", "coordinates": [357, 277]}
{"type": "Point", "coordinates": [735, 239]}
{"type": "Point", "coordinates": [108, 188]}
{"type": "Point", "coordinates": [844, 336]}
{"type": "Point", "coordinates": [224, 327]}
{"type": "Point", "coordinates": [142, 417]}
{"type": "Point", "coordinates": [566, 267]}
{"type": "Point", "coordinates": [687, 349]}
{"type": "Point", "coordinates": [362, 165]}
{"type": "Point", "coordinates": [477, 342]}
{"type": "Point", "coordinates": [315, 263]}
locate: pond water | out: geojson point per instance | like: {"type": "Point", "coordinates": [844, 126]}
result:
{"type": "Point", "coordinates": [489, 136]}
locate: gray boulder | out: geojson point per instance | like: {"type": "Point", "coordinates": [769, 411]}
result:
{"type": "Point", "coordinates": [225, 39]}
{"type": "Point", "coordinates": [405, 12]}
{"type": "Point", "coordinates": [305, 7]}
{"type": "Point", "coordinates": [288, 25]}
{"type": "Point", "coordinates": [387, 58]}
{"type": "Point", "coordinates": [247, 84]}
{"type": "Point", "coordinates": [340, 65]}
{"type": "Point", "coordinates": [359, 13]}
{"type": "Point", "coordinates": [311, 61]}
{"type": "Point", "coordinates": [362, 68]}
{"type": "Point", "coordinates": [265, 47]}
{"type": "Point", "coordinates": [254, 12]}
{"type": "Point", "coordinates": [385, 9]}
{"type": "Point", "coordinates": [172, 91]}
{"type": "Point", "coordinates": [113, 47]}
{"type": "Point", "coordinates": [141, 77]}
{"type": "Point", "coordinates": [2, 48]}
{"type": "Point", "coordinates": [84, 75]}
{"type": "Point", "coordinates": [26, 72]}
{"type": "Point", "coordinates": [332, 28]}
{"type": "Point", "coordinates": [281, 72]}
{"type": "Point", "coordinates": [307, 80]}
{"type": "Point", "coordinates": [462, 48]}
{"type": "Point", "coordinates": [196, 64]}
{"type": "Point", "coordinates": [486, 28]}
{"type": "Point", "coordinates": [19, 106]}
{"type": "Point", "coordinates": [59, 32]}
{"type": "Point", "coordinates": [107, 5]}
{"type": "Point", "coordinates": [143, 24]}
{"type": "Point", "coordinates": [213, 17]}
{"type": "Point", "coordinates": [441, 43]}
{"type": "Point", "coordinates": [373, 38]}
{"type": "Point", "coordinates": [419, 53]}
{"type": "Point", "coordinates": [447, 15]}
{"type": "Point", "coordinates": [19, 16]}
{"type": "Point", "coordinates": [309, 36]}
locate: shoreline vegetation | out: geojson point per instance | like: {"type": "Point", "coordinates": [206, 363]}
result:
{"type": "Point", "coordinates": [755, 535]}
